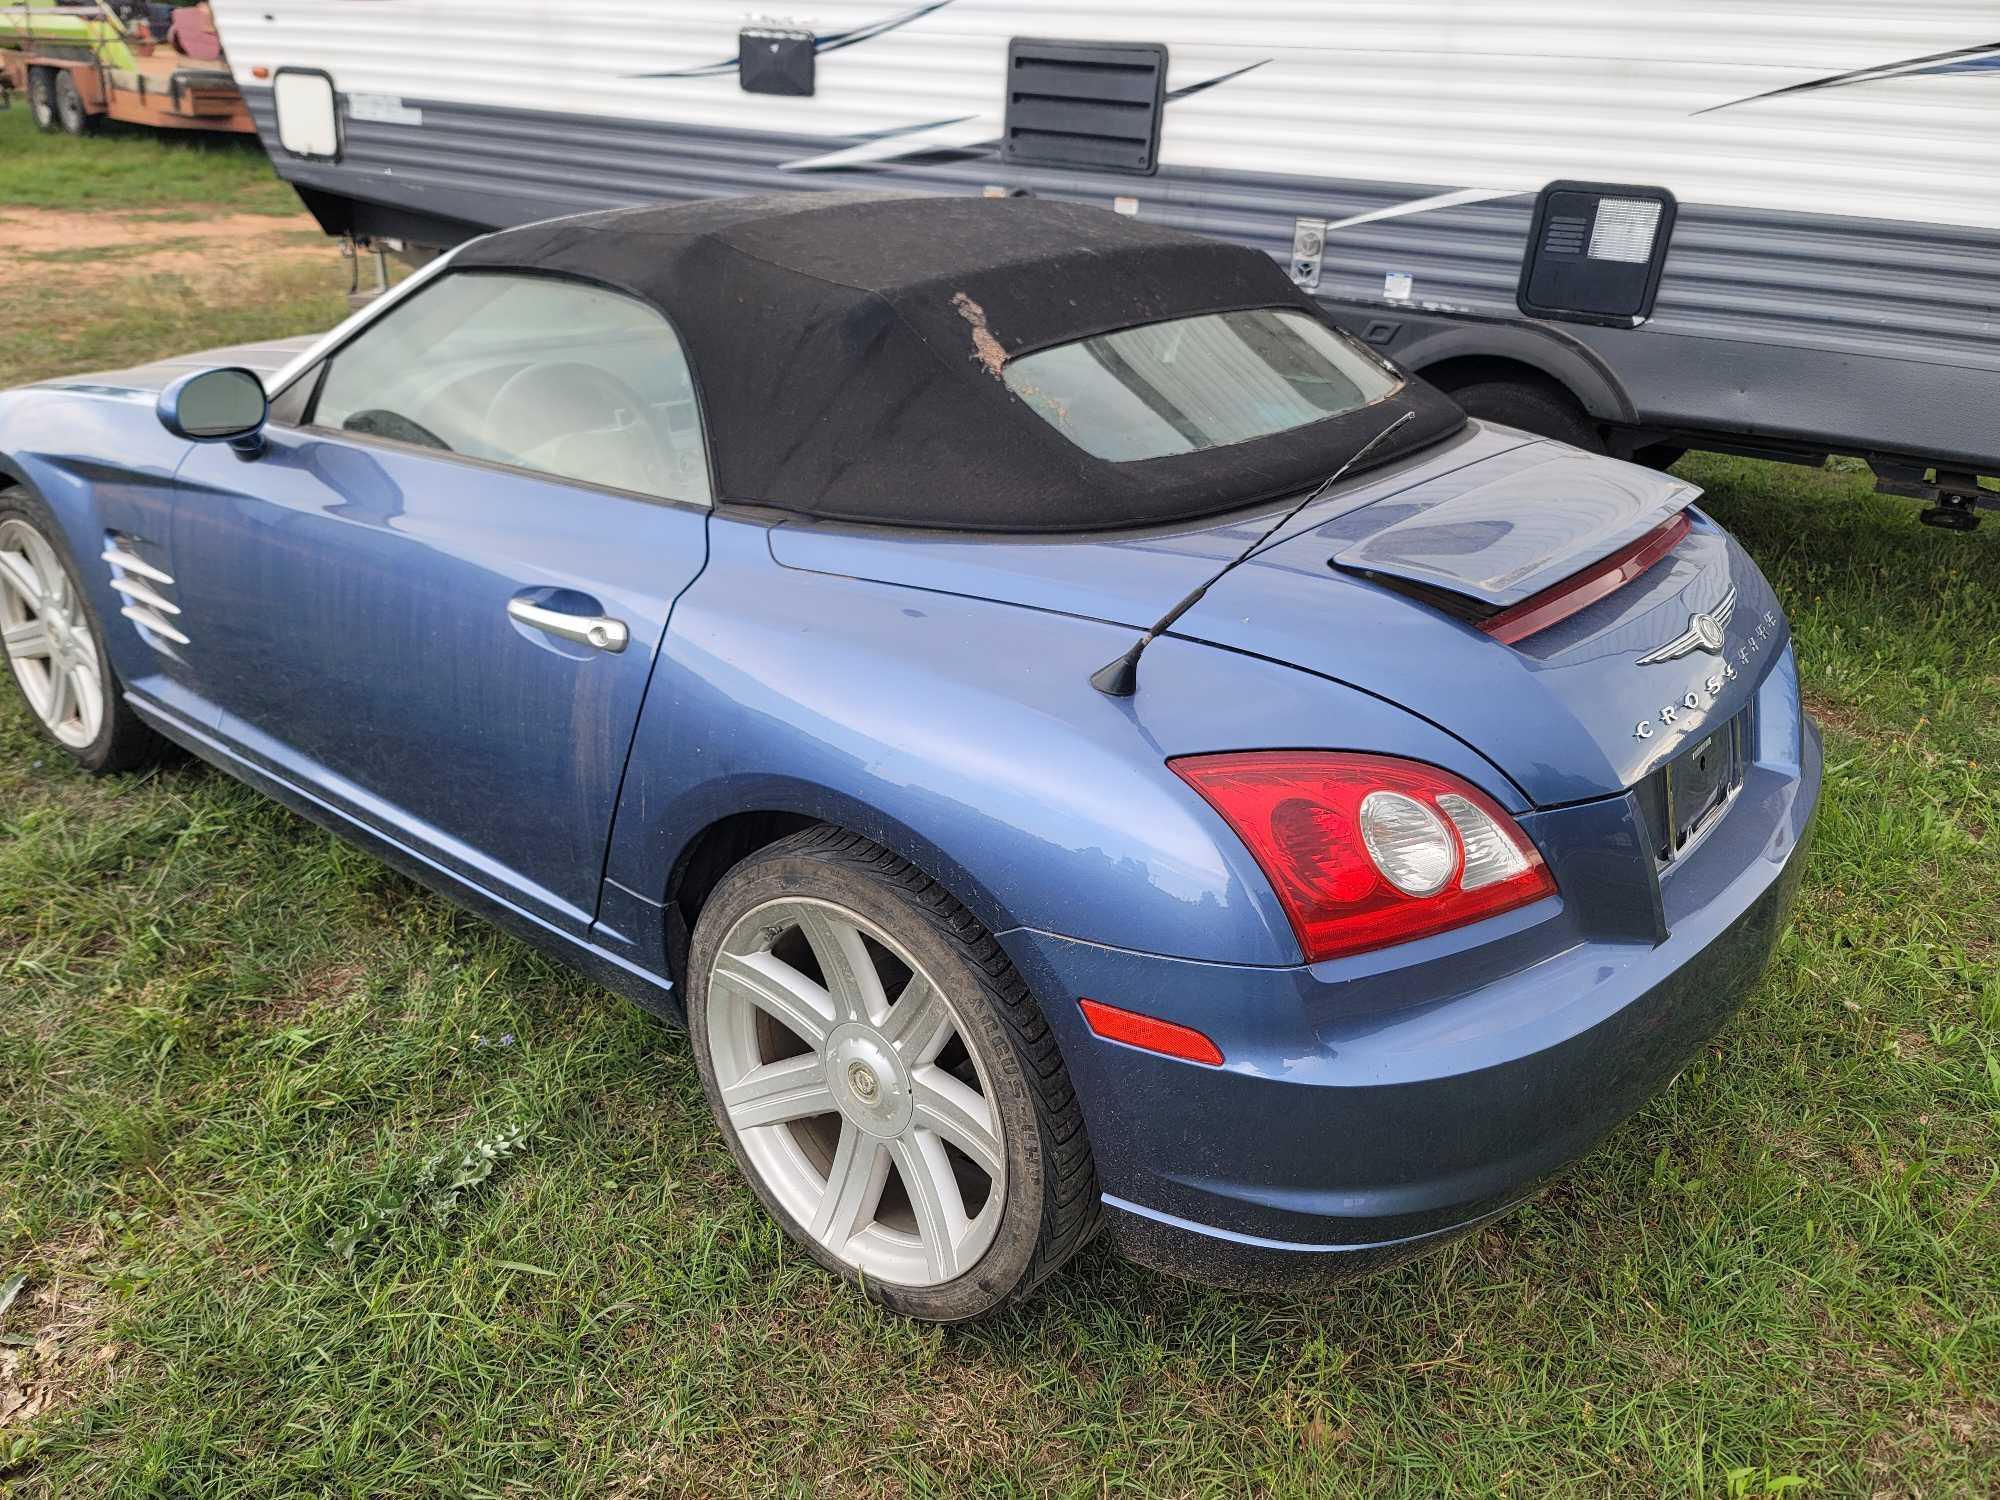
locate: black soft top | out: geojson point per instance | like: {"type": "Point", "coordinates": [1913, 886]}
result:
{"type": "Point", "coordinates": [848, 350]}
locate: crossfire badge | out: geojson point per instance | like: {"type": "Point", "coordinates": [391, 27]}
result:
{"type": "Point", "coordinates": [1704, 633]}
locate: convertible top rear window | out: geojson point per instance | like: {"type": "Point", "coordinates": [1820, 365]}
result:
{"type": "Point", "coordinates": [1193, 383]}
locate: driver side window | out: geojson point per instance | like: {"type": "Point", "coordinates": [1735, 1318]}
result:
{"type": "Point", "coordinates": [557, 377]}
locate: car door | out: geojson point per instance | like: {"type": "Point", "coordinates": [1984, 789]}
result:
{"type": "Point", "coordinates": [434, 599]}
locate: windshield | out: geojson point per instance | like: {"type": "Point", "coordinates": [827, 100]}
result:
{"type": "Point", "coordinates": [1194, 383]}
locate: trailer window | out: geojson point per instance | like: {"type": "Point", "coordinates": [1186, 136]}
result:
{"type": "Point", "coordinates": [1194, 383]}
{"type": "Point", "coordinates": [308, 116]}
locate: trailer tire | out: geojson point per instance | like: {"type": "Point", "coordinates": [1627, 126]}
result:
{"type": "Point", "coordinates": [70, 109]}
{"type": "Point", "coordinates": [42, 97]}
{"type": "Point", "coordinates": [1541, 409]}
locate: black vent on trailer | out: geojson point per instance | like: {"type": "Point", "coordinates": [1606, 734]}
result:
{"type": "Point", "coordinates": [1564, 234]}
{"type": "Point", "coordinates": [1596, 252]}
{"type": "Point", "coordinates": [1084, 104]}
{"type": "Point", "coordinates": [775, 60]}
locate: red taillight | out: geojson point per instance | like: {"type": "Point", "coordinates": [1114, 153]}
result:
{"type": "Point", "coordinates": [1366, 850]}
{"type": "Point", "coordinates": [1581, 590]}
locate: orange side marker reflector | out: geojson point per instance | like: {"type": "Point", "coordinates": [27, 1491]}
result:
{"type": "Point", "coordinates": [1150, 1033]}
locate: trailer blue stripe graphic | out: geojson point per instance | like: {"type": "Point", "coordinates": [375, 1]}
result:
{"type": "Point", "coordinates": [832, 42]}
{"type": "Point", "coordinates": [1984, 58]}
{"type": "Point", "coordinates": [920, 154]}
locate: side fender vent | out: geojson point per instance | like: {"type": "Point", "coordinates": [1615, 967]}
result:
{"type": "Point", "coordinates": [1093, 105]}
{"type": "Point", "coordinates": [147, 592]}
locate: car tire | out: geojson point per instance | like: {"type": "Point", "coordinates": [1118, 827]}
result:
{"type": "Point", "coordinates": [42, 98]}
{"type": "Point", "coordinates": [920, 1092]}
{"type": "Point", "coordinates": [1542, 410]}
{"type": "Point", "coordinates": [70, 109]}
{"type": "Point", "coordinates": [98, 729]}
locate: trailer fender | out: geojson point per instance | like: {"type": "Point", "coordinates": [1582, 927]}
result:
{"type": "Point", "coordinates": [1542, 350]}
{"type": "Point", "coordinates": [1485, 348]}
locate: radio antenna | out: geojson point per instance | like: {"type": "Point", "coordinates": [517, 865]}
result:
{"type": "Point", "coordinates": [1119, 677]}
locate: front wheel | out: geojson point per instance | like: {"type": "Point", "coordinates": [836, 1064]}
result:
{"type": "Point", "coordinates": [885, 1080]}
{"type": "Point", "coordinates": [42, 97]}
{"type": "Point", "coordinates": [55, 646]}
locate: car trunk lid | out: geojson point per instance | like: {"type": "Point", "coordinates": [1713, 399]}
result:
{"type": "Point", "coordinates": [1382, 587]}
{"type": "Point", "coordinates": [1501, 531]}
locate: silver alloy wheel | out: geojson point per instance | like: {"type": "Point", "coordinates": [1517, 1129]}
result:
{"type": "Point", "coordinates": [48, 638]}
{"type": "Point", "coordinates": [853, 1093]}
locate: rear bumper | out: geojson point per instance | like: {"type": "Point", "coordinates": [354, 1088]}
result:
{"type": "Point", "coordinates": [1371, 1108]}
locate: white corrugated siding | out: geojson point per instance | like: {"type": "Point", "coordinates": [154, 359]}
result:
{"type": "Point", "coordinates": [1466, 94]}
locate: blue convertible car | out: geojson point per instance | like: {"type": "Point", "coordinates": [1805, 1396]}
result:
{"type": "Point", "coordinates": [1079, 741]}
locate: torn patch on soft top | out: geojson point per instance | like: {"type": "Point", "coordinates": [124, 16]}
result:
{"type": "Point", "coordinates": [985, 348]}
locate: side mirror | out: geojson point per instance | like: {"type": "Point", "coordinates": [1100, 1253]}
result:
{"type": "Point", "coordinates": [217, 406]}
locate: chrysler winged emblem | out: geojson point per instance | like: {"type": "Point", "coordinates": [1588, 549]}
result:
{"type": "Point", "coordinates": [1704, 633]}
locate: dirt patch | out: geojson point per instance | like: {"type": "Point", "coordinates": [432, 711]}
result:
{"type": "Point", "coordinates": [330, 982]}
{"type": "Point", "coordinates": [1841, 719]}
{"type": "Point", "coordinates": [99, 248]}
{"type": "Point", "coordinates": [55, 1349]}
{"type": "Point", "coordinates": [985, 348]}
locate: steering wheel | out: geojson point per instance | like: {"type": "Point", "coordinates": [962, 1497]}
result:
{"type": "Point", "coordinates": [376, 422]}
{"type": "Point", "coordinates": [557, 399]}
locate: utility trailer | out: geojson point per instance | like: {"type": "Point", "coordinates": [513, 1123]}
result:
{"type": "Point", "coordinates": [77, 64]}
{"type": "Point", "coordinates": [1762, 226]}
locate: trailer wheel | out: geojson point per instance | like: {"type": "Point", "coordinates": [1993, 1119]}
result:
{"type": "Point", "coordinates": [76, 119]}
{"type": "Point", "coordinates": [42, 97]}
{"type": "Point", "coordinates": [1541, 409]}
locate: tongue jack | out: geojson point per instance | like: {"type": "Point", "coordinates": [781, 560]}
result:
{"type": "Point", "coordinates": [1119, 677]}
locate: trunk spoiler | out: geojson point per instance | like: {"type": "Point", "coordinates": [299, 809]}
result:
{"type": "Point", "coordinates": [1520, 542]}
{"type": "Point", "coordinates": [1501, 531]}
{"type": "Point", "coordinates": [1580, 591]}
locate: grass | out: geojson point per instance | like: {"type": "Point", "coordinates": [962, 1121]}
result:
{"type": "Point", "coordinates": [98, 318]}
{"type": "Point", "coordinates": [241, 1065]}
{"type": "Point", "coordinates": [132, 250]}
{"type": "Point", "coordinates": [124, 167]}
{"type": "Point", "coordinates": [56, 325]}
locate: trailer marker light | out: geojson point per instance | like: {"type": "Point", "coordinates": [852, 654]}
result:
{"type": "Point", "coordinates": [1150, 1033]}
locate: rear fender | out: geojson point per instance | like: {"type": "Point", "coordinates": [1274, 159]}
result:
{"type": "Point", "coordinates": [964, 734]}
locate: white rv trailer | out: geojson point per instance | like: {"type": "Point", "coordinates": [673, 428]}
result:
{"type": "Point", "coordinates": [1771, 226]}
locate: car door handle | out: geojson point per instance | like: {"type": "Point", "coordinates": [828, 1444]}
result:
{"type": "Point", "coordinates": [600, 631]}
